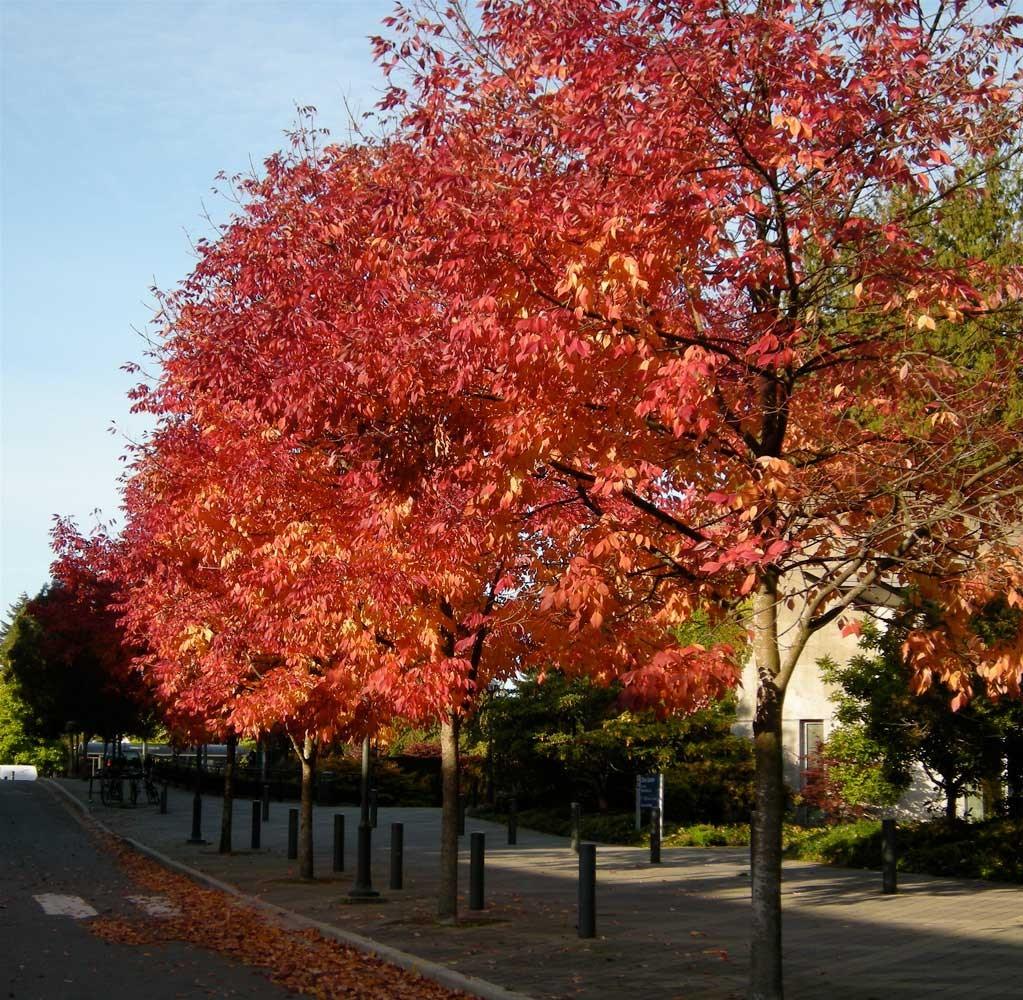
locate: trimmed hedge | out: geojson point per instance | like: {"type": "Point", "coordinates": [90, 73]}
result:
{"type": "Point", "coordinates": [989, 850]}
{"type": "Point", "coordinates": [620, 828]}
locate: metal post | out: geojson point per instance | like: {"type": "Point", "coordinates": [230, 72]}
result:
{"type": "Point", "coordinates": [477, 848]}
{"type": "Point", "coordinates": [292, 834]}
{"type": "Point", "coordinates": [363, 888]}
{"type": "Point", "coordinates": [257, 815]}
{"type": "Point", "coordinates": [364, 784]}
{"type": "Point", "coordinates": [513, 821]}
{"type": "Point", "coordinates": [888, 857]}
{"type": "Point", "coordinates": [655, 836]}
{"type": "Point", "coordinates": [373, 804]}
{"type": "Point", "coordinates": [264, 769]}
{"type": "Point", "coordinates": [397, 844]}
{"type": "Point", "coordinates": [576, 824]}
{"type": "Point", "coordinates": [163, 799]}
{"type": "Point", "coordinates": [461, 815]}
{"type": "Point", "coordinates": [196, 837]}
{"type": "Point", "coordinates": [339, 842]}
{"type": "Point", "coordinates": [587, 890]}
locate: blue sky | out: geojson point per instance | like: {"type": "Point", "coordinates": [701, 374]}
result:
{"type": "Point", "coordinates": [116, 119]}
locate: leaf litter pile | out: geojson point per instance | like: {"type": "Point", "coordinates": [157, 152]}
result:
{"type": "Point", "coordinates": [303, 961]}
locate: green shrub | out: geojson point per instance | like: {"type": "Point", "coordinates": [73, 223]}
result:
{"type": "Point", "coordinates": [989, 850]}
{"type": "Point", "coordinates": [855, 845]}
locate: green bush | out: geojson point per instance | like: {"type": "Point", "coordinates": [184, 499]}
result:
{"type": "Point", "coordinates": [713, 790]}
{"type": "Point", "coordinates": [989, 850]}
{"type": "Point", "coordinates": [620, 828]}
{"type": "Point", "coordinates": [854, 845]}
{"type": "Point", "coordinates": [707, 835]}
{"type": "Point", "coordinates": [340, 776]}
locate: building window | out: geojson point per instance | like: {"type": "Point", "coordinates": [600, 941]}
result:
{"type": "Point", "coordinates": [811, 736]}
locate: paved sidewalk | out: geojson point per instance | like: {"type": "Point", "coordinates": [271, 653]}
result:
{"type": "Point", "coordinates": [668, 932]}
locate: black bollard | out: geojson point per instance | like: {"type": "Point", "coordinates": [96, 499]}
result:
{"type": "Point", "coordinates": [266, 802]}
{"type": "Point", "coordinates": [888, 857]}
{"type": "Point", "coordinates": [397, 844]}
{"type": "Point", "coordinates": [257, 813]}
{"type": "Point", "coordinates": [163, 799]}
{"type": "Point", "coordinates": [196, 837]}
{"type": "Point", "coordinates": [373, 808]}
{"type": "Point", "coordinates": [476, 856]}
{"type": "Point", "coordinates": [513, 821]}
{"type": "Point", "coordinates": [363, 888]}
{"type": "Point", "coordinates": [577, 816]}
{"type": "Point", "coordinates": [655, 836]}
{"type": "Point", "coordinates": [292, 834]}
{"type": "Point", "coordinates": [587, 890]}
{"type": "Point", "coordinates": [339, 842]}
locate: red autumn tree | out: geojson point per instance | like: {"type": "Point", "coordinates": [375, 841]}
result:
{"type": "Point", "coordinates": [669, 275]}
{"type": "Point", "coordinates": [209, 578]}
{"type": "Point", "coordinates": [629, 284]}
{"type": "Point", "coordinates": [70, 659]}
{"type": "Point", "coordinates": [295, 346]}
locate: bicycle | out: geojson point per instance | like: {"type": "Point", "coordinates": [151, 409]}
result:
{"type": "Point", "coordinates": [111, 791]}
{"type": "Point", "coordinates": [120, 786]}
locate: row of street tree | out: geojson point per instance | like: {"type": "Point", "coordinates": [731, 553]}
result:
{"type": "Point", "coordinates": [621, 312]}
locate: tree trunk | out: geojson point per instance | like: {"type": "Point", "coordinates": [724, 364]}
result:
{"type": "Point", "coordinates": [765, 956]}
{"type": "Point", "coordinates": [951, 797]}
{"type": "Point", "coordinates": [991, 787]}
{"type": "Point", "coordinates": [491, 792]}
{"type": "Point", "coordinates": [227, 815]}
{"type": "Point", "coordinates": [766, 970]}
{"type": "Point", "coordinates": [447, 900]}
{"type": "Point", "coordinates": [1014, 774]}
{"type": "Point", "coordinates": [305, 836]}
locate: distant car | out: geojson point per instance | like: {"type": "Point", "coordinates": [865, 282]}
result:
{"type": "Point", "coordinates": [129, 760]}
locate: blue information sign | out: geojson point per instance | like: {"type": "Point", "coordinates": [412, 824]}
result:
{"type": "Point", "coordinates": [649, 795]}
{"type": "Point", "coordinates": [649, 791]}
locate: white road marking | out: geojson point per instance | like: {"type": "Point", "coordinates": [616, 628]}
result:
{"type": "Point", "coordinates": [156, 906]}
{"type": "Point", "coordinates": [65, 906]}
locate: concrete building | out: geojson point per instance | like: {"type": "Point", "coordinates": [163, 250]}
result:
{"type": "Point", "coordinates": [808, 716]}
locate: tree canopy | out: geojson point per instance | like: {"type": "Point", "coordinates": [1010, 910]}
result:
{"type": "Point", "coordinates": [608, 328]}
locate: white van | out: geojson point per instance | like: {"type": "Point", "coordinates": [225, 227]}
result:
{"type": "Point", "coordinates": [18, 772]}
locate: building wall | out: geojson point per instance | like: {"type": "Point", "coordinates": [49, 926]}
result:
{"type": "Point", "coordinates": [809, 698]}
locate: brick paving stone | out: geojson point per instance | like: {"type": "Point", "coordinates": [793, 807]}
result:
{"type": "Point", "coordinates": [678, 931]}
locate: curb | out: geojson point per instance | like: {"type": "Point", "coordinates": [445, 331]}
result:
{"type": "Point", "coordinates": [433, 971]}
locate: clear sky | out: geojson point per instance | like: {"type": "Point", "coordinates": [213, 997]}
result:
{"type": "Point", "coordinates": [116, 119]}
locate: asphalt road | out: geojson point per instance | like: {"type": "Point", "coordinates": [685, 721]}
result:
{"type": "Point", "coordinates": [48, 862]}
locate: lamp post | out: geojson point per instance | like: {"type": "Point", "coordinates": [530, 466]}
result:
{"type": "Point", "coordinates": [363, 888]}
{"type": "Point", "coordinates": [196, 837]}
{"type": "Point", "coordinates": [69, 727]}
